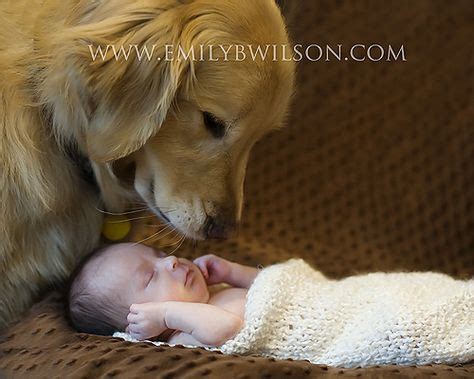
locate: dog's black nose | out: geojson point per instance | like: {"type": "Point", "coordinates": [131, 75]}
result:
{"type": "Point", "coordinates": [216, 228]}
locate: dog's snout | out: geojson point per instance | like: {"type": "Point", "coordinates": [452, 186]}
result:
{"type": "Point", "coordinates": [219, 228]}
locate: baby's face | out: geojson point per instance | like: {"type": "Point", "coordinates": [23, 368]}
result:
{"type": "Point", "coordinates": [140, 274]}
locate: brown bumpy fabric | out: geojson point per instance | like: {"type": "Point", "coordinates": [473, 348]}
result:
{"type": "Point", "coordinates": [375, 171]}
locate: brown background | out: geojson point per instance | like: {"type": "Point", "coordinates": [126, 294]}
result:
{"type": "Point", "coordinates": [374, 172]}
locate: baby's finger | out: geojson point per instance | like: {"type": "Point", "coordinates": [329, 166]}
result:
{"type": "Point", "coordinates": [204, 271]}
{"type": "Point", "coordinates": [131, 331]}
{"type": "Point", "coordinates": [198, 260]}
{"type": "Point", "coordinates": [204, 258]}
{"type": "Point", "coordinates": [132, 318]}
{"type": "Point", "coordinates": [202, 266]}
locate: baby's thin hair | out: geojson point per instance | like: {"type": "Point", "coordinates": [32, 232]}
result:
{"type": "Point", "coordinates": [90, 311]}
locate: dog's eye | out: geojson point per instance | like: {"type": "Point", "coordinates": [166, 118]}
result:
{"type": "Point", "coordinates": [214, 125]}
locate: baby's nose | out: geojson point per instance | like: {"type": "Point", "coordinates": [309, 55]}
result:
{"type": "Point", "coordinates": [171, 263]}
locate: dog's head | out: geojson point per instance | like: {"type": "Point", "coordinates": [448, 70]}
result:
{"type": "Point", "coordinates": [178, 129]}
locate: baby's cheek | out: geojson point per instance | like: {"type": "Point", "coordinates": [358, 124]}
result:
{"type": "Point", "coordinates": [152, 294]}
{"type": "Point", "coordinates": [171, 293]}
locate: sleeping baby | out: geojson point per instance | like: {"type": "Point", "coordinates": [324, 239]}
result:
{"type": "Point", "coordinates": [135, 288]}
{"type": "Point", "coordinates": [287, 310]}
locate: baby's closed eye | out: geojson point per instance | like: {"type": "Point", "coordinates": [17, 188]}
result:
{"type": "Point", "coordinates": [150, 276]}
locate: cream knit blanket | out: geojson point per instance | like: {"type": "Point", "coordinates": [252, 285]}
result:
{"type": "Point", "coordinates": [293, 311]}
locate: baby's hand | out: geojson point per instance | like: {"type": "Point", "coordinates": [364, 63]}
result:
{"type": "Point", "coordinates": [146, 320]}
{"type": "Point", "coordinates": [215, 269]}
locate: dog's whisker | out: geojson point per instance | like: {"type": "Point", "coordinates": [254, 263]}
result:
{"type": "Point", "coordinates": [176, 242]}
{"type": "Point", "coordinates": [148, 206]}
{"type": "Point", "coordinates": [180, 242]}
{"type": "Point", "coordinates": [129, 219]}
{"type": "Point", "coordinates": [154, 207]}
{"type": "Point", "coordinates": [177, 235]}
{"type": "Point", "coordinates": [145, 205]}
{"type": "Point", "coordinates": [166, 225]}
{"type": "Point", "coordinates": [172, 210]}
{"type": "Point", "coordinates": [120, 213]}
{"type": "Point", "coordinates": [148, 238]}
{"type": "Point", "coordinates": [155, 226]}
{"type": "Point", "coordinates": [157, 234]}
{"type": "Point", "coordinates": [163, 208]}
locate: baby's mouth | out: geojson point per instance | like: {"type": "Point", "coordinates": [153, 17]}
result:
{"type": "Point", "coordinates": [188, 277]}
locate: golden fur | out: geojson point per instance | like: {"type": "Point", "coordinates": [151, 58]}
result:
{"type": "Point", "coordinates": [143, 119]}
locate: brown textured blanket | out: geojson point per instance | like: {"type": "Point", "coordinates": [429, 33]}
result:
{"type": "Point", "coordinates": [374, 172]}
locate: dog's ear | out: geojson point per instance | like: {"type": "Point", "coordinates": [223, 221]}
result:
{"type": "Point", "coordinates": [102, 85]}
{"type": "Point", "coordinates": [130, 109]}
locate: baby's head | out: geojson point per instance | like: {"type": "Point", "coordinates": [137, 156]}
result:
{"type": "Point", "coordinates": [120, 275]}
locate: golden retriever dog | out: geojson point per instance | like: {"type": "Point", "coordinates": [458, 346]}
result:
{"type": "Point", "coordinates": [81, 133]}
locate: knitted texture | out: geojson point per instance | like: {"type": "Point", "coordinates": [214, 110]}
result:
{"type": "Point", "coordinates": [294, 311]}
